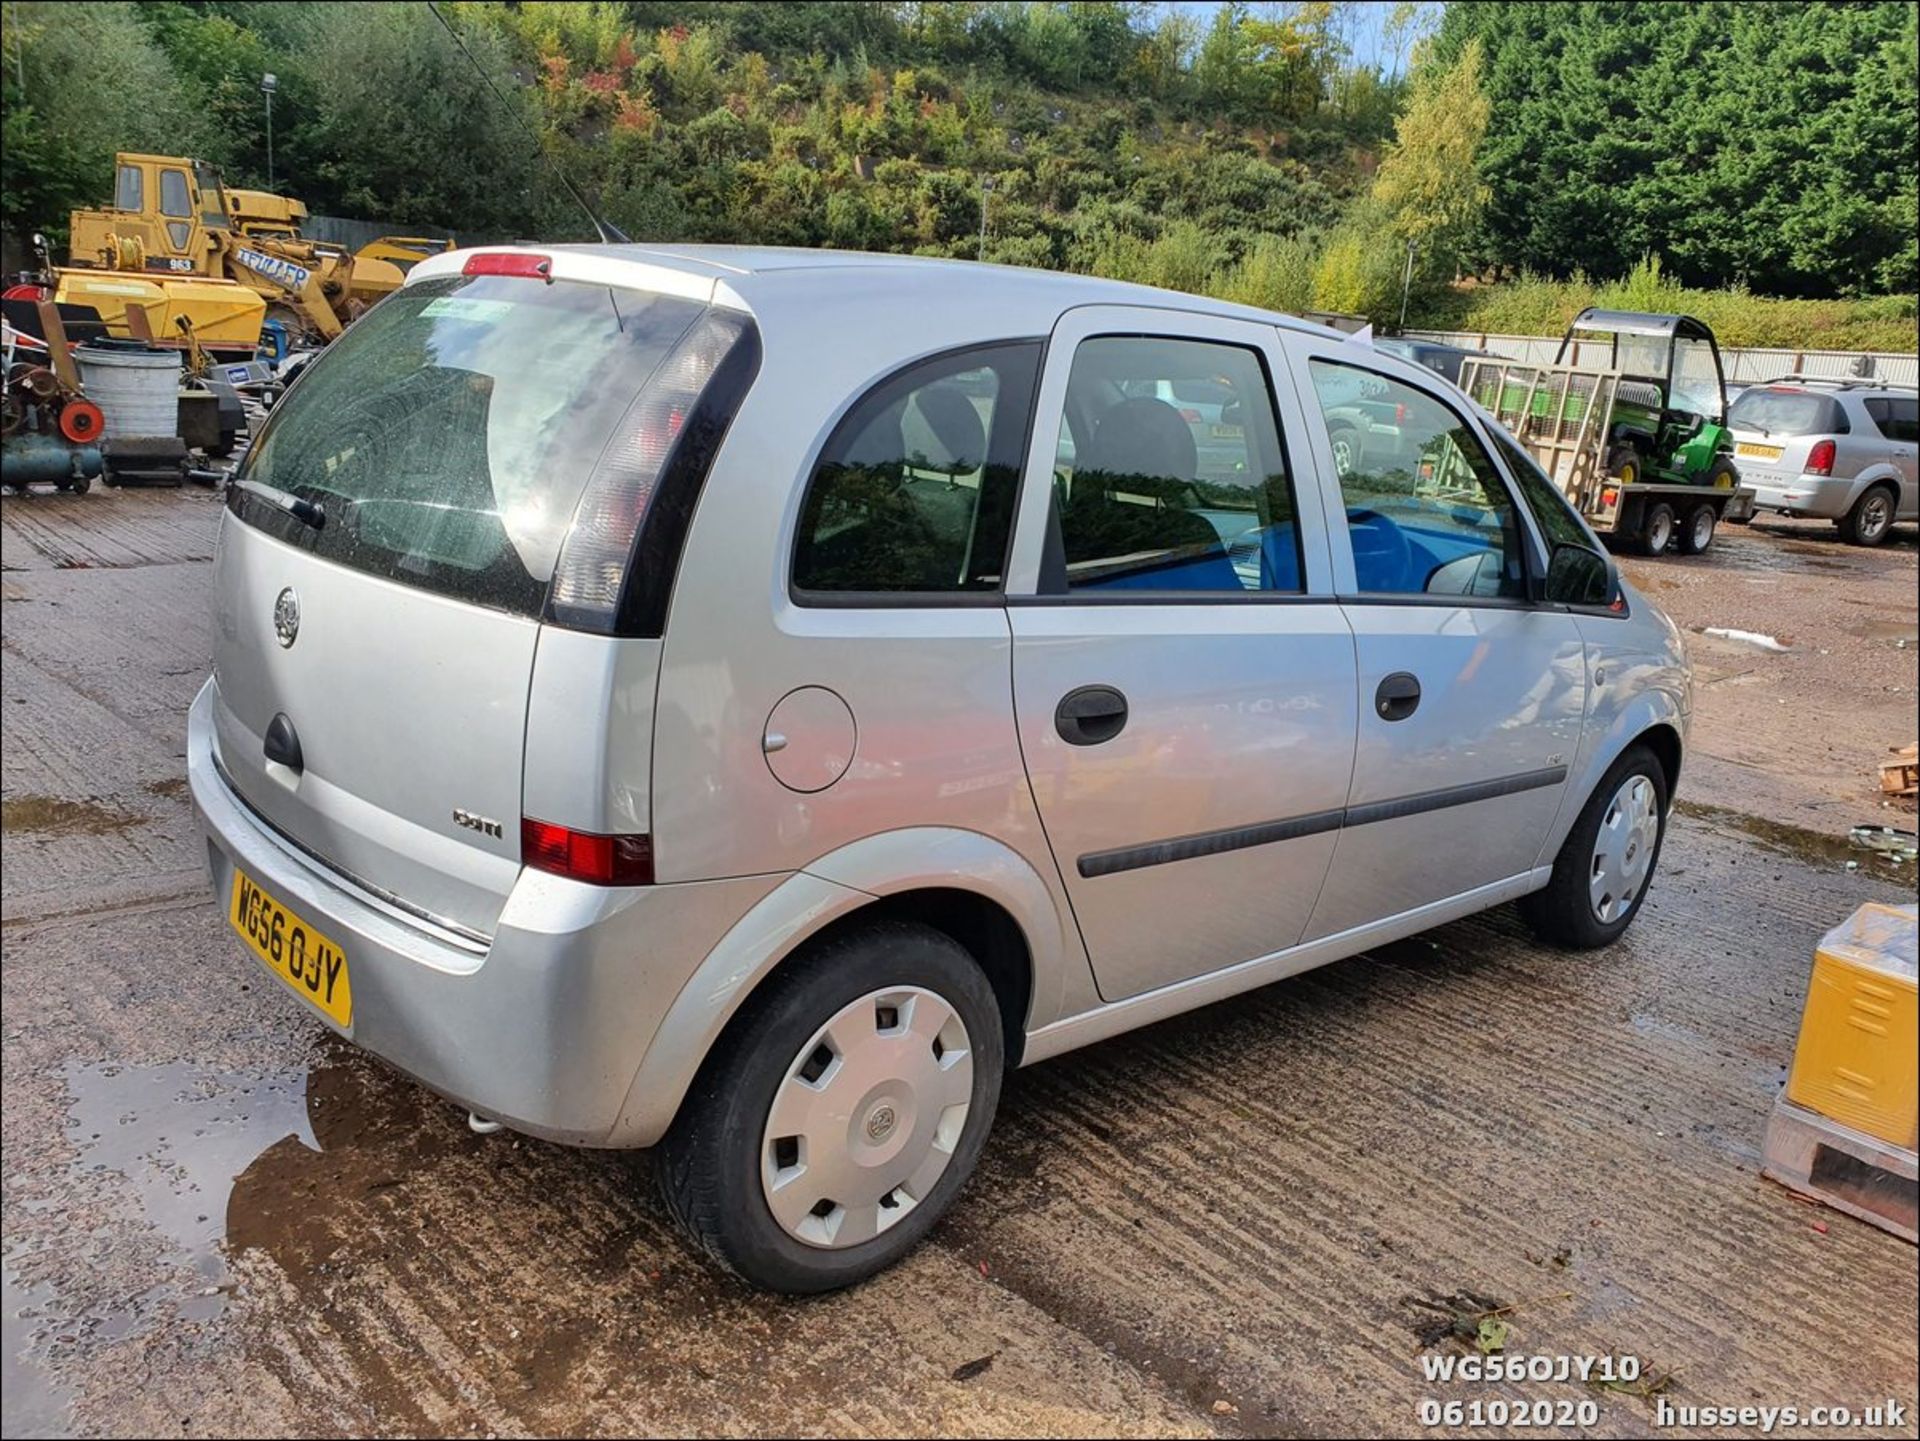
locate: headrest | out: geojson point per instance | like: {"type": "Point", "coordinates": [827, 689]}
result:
{"type": "Point", "coordinates": [942, 424]}
{"type": "Point", "coordinates": [1141, 436]}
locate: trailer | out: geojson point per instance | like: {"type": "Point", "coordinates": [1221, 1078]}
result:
{"type": "Point", "coordinates": [1639, 446]}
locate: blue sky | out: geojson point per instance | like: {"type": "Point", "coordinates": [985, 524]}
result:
{"type": "Point", "coordinates": [1369, 17]}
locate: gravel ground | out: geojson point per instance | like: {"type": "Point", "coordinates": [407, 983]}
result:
{"type": "Point", "coordinates": [217, 1220]}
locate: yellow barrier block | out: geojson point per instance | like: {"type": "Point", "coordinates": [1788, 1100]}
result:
{"type": "Point", "coordinates": [1859, 1048]}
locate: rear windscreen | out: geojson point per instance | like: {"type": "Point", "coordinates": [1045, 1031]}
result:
{"type": "Point", "coordinates": [1786, 412]}
{"type": "Point", "coordinates": [449, 433]}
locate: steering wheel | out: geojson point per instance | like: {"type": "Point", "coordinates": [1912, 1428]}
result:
{"type": "Point", "coordinates": [1380, 551]}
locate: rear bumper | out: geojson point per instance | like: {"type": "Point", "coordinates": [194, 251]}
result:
{"type": "Point", "coordinates": [1817, 495]}
{"type": "Point", "coordinates": [545, 1027]}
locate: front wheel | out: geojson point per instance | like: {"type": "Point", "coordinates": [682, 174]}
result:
{"type": "Point", "coordinates": [1870, 517]}
{"type": "Point", "coordinates": [842, 1111]}
{"type": "Point", "coordinates": [1607, 862]}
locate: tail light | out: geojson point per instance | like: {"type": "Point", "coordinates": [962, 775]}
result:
{"type": "Point", "coordinates": [1820, 458]}
{"type": "Point", "coordinates": [1190, 415]}
{"type": "Point", "coordinates": [592, 568]}
{"type": "Point", "coordinates": [1610, 496]}
{"type": "Point", "coordinates": [1400, 413]}
{"type": "Point", "coordinates": [584, 856]}
{"type": "Point", "coordinates": [510, 262]}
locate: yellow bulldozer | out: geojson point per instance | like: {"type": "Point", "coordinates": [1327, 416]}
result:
{"type": "Point", "coordinates": [214, 264]}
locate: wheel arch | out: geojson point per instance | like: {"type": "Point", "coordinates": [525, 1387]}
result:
{"type": "Point", "coordinates": [969, 886]}
{"type": "Point", "coordinates": [1654, 718]}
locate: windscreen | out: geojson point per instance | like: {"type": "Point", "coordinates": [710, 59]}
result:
{"type": "Point", "coordinates": [1785, 412]}
{"type": "Point", "coordinates": [449, 433]}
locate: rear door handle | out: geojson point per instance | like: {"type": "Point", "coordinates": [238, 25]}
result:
{"type": "Point", "coordinates": [1398, 696]}
{"type": "Point", "coordinates": [1090, 715]}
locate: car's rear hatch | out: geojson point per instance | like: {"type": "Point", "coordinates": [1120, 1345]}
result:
{"type": "Point", "coordinates": [373, 670]}
{"type": "Point", "coordinates": [1775, 428]}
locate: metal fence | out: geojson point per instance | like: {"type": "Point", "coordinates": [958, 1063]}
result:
{"type": "Point", "coordinates": [352, 234]}
{"type": "Point", "coordinates": [1743, 366]}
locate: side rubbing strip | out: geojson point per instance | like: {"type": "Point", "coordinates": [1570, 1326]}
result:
{"type": "Point", "coordinates": [1213, 843]}
{"type": "Point", "coordinates": [1207, 843]}
{"type": "Point", "coordinates": [1454, 796]}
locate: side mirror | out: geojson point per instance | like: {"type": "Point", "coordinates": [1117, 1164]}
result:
{"type": "Point", "coordinates": [1577, 575]}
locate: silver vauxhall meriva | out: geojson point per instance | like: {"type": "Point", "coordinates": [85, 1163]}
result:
{"type": "Point", "coordinates": [744, 701]}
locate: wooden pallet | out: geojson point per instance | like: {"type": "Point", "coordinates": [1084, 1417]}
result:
{"type": "Point", "coordinates": [1901, 775]}
{"type": "Point", "coordinates": [1860, 1175]}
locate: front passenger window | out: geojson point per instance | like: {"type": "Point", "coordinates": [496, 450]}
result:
{"type": "Point", "coordinates": [1426, 512]}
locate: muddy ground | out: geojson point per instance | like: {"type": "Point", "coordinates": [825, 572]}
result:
{"type": "Point", "coordinates": [218, 1220]}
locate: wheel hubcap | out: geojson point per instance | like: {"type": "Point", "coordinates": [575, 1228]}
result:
{"type": "Point", "coordinates": [1874, 515]}
{"type": "Point", "coordinates": [866, 1118]}
{"type": "Point", "coordinates": [1343, 457]}
{"type": "Point", "coordinates": [1623, 851]}
{"type": "Point", "coordinates": [1659, 532]}
{"type": "Point", "coordinates": [1702, 529]}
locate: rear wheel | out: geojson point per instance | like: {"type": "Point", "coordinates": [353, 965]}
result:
{"type": "Point", "coordinates": [1697, 534]}
{"type": "Point", "coordinates": [1656, 528]}
{"type": "Point", "coordinates": [1606, 864]}
{"type": "Point", "coordinates": [1345, 441]}
{"type": "Point", "coordinates": [1870, 518]}
{"type": "Point", "coordinates": [842, 1111]}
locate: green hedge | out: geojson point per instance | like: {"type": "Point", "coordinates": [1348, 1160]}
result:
{"type": "Point", "coordinates": [1535, 306]}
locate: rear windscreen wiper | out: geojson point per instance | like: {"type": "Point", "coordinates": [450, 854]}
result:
{"type": "Point", "coordinates": [307, 512]}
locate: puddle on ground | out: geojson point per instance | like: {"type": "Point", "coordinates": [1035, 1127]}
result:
{"type": "Point", "coordinates": [31, 1401]}
{"type": "Point", "coordinates": [1901, 632]}
{"type": "Point", "coordinates": [183, 1137]}
{"type": "Point", "coordinates": [1815, 848]}
{"type": "Point", "coordinates": [301, 1165]}
{"type": "Point", "coordinates": [53, 816]}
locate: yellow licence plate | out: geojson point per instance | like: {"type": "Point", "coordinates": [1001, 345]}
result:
{"type": "Point", "coordinates": [1758, 452]}
{"type": "Point", "coordinates": [306, 960]}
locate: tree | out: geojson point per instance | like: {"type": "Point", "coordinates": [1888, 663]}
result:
{"type": "Point", "coordinates": [1769, 144]}
{"type": "Point", "coordinates": [82, 81]}
{"type": "Point", "coordinates": [1428, 182]}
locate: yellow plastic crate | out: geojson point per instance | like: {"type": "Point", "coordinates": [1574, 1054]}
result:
{"type": "Point", "coordinates": [1859, 1046]}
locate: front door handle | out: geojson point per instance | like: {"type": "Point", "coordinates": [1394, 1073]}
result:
{"type": "Point", "coordinates": [1398, 696]}
{"type": "Point", "coordinates": [1090, 715]}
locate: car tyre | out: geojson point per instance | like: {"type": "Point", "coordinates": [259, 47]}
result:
{"type": "Point", "coordinates": [1697, 534]}
{"type": "Point", "coordinates": [1656, 529]}
{"type": "Point", "coordinates": [1601, 876]}
{"type": "Point", "coordinates": [721, 1164]}
{"type": "Point", "coordinates": [1870, 519]}
{"type": "Point", "coordinates": [1345, 442]}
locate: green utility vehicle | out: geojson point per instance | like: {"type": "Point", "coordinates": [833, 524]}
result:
{"type": "Point", "coordinates": [1639, 444]}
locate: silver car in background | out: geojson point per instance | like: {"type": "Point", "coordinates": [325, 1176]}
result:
{"type": "Point", "coordinates": [1841, 450]}
{"type": "Point", "coordinates": [744, 701]}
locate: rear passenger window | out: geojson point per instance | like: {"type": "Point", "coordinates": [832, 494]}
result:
{"type": "Point", "coordinates": [1169, 473]}
{"type": "Point", "coordinates": [1898, 419]}
{"type": "Point", "coordinates": [1426, 512]}
{"type": "Point", "coordinates": [914, 491]}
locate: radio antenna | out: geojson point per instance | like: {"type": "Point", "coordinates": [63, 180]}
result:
{"type": "Point", "coordinates": [609, 234]}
